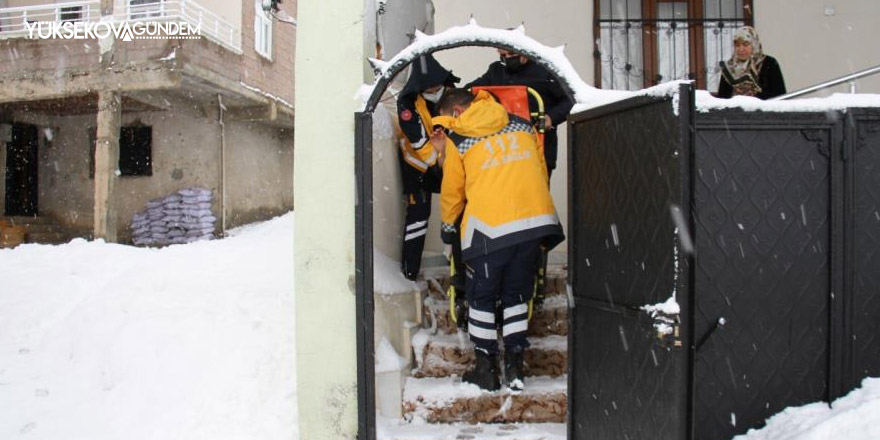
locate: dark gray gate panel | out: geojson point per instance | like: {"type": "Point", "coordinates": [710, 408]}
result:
{"type": "Point", "coordinates": [863, 132]}
{"type": "Point", "coordinates": [630, 381]}
{"type": "Point", "coordinates": [762, 202]}
{"type": "Point", "coordinates": [364, 275]}
{"type": "Point", "coordinates": [628, 163]}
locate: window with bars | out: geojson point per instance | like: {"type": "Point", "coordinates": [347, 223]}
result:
{"type": "Point", "coordinates": [141, 9]}
{"type": "Point", "coordinates": [641, 43]}
{"type": "Point", "coordinates": [262, 33]}
{"type": "Point", "coordinates": [70, 14]}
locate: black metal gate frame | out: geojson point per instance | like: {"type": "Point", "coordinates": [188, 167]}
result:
{"type": "Point", "coordinates": [364, 220]}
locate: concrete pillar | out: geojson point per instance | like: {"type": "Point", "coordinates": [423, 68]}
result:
{"type": "Point", "coordinates": [106, 164]}
{"type": "Point", "coordinates": [324, 195]}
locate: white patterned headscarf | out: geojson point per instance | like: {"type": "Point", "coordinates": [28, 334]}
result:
{"type": "Point", "coordinates": [739, 68]}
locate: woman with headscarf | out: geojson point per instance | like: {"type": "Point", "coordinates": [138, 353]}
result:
{"type": "Point", "coordinates": [750, 72]}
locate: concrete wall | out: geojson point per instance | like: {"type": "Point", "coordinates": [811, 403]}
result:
{"type": "Point", "coordinates": [259, 172]}
{"type": "Point", "coordinates": [185, 153]}
{"type": "Point", "coordinates": [820, 47]}
{"type": "Point", "coordinates": [274, 76]}
{"type": "Point", "coordinates": [388, 33]}
{"type": "Point", "coordinates": [330, 39]}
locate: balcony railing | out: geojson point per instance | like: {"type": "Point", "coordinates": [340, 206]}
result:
{"type": "Point", "coordinates": [13, 21]}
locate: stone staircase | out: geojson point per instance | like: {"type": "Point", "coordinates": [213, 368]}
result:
{"type": "Point", "coordinates": [435, 395]}
{"type": "Point", "coordinates": [41, 229]}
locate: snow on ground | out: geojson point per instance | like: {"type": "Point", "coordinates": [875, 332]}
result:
{"type": "Point", "coordinates": [103, 341]}
{"type": "Point", "coordinates": [852, 417]}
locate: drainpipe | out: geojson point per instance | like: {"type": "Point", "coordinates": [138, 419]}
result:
{"type": "Point", "coordinates": [220, 109]}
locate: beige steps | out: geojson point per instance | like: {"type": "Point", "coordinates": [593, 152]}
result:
{"type": "Point", "coordinates": [445, 355]}
{"type": "Point", "coordinates": [448, 400]}
{"type": "Point", "coordinates": [390, 429]}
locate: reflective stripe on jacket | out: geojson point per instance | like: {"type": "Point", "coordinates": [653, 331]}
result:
{"type": "Point", "coordinates": [423, 156]}
{"type": "Point", "coordinates": [496, 176]}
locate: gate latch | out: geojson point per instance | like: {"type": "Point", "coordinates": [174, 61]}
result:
{"type": "Point", "coordinates": [668, 330]}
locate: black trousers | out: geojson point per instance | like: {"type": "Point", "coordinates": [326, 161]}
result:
{"type": "Point", "coordinates": [418, 210]}
{"type": "Point", "coordinates": [501, 281]}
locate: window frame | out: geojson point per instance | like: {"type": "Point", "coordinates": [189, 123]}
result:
{"type": "Point", "coordinates": [650, 62]}
{"type": "Point", "coordinates": [263, 33]}
{"type": "Point", "coordinates": [128, 165]}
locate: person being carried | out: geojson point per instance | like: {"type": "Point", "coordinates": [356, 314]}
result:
{"type": "Point", "coordinates": [421, 174]}
{"type": "Point", "coordinates": [749, 72]}
{"type": "Point", "coordinates": [494, 177]}
{"type": "Point", "coordinates": [515, 69]}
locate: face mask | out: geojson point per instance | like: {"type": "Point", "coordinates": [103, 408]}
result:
{"type": "Point", "coordinates": [434, 97]}
{"type": "Point", "coordinates": [512, 63]}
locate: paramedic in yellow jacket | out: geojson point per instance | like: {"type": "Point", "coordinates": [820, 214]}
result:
{"type": "Point", "coordinates": [495, 175]}
{"type": "Point", "coordinates": [421, 174]}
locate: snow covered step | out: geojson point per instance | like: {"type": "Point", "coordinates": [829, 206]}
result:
{"type": "Point", "coordinates": [396, 429]}
{"type": "Point", "coordinates": [446, 355]}
{"type": "Point", "coordinates": [551, 318]}
{"type": "Point", "coordinates": [448, 400]}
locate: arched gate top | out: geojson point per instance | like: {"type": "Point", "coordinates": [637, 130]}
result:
{"type": "Point", "coordinates": [514, 40]}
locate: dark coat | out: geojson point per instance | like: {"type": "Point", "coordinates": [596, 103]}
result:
{"type": "Point", "coordinates": [556, 103]}
{"type": "Point", "coordinates": [769, 79]}
{"type": "Point", "coordinates": [425, 72]}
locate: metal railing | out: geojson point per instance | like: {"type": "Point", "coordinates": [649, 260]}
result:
{"type": "Point", "coordinates": [14, 21]}
{"type": "Point", "coordinates": [831, 83]}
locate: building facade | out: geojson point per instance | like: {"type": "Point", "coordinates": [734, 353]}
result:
{"type": "Point", "coordinates": [96, 127]}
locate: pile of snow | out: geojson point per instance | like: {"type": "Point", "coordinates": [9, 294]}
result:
{"type": "Point", "coordinates": [181, 217]}
{"type": "Point", "coordinates": [101, 341]}
{"type": "Point", "coordinates": [387, 277]}
{"type": "Point", "coordinates": [852, 417]}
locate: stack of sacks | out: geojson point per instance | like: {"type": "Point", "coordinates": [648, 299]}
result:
{"type": "Point", "coordinates": [182, 217]}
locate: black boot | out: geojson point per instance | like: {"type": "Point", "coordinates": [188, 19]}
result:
{"type": "Point", "coordinates": [513, 370]}
{"type": "Point", "coordinates": [485, 372]}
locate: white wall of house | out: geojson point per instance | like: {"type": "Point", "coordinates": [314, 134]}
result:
{"type": "Point", "coordinates": [227, 10]}
{"type": "Point", "coordinates": [330, 47]}
{"type": "Point", "coordinates": [818, 40]}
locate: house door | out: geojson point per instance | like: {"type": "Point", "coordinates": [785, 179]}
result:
{"type": "Point", "coordinates": [21, 171]}
{"type": "Point", "coordinates": [628, 203]}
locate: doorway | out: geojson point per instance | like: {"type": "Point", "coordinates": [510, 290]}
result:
{"type": "Point", "coordinates": [22, 171]}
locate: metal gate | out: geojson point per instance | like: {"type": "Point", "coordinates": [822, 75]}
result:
{"type": "Point", "coordinates": [765, 265]}
{"type": "Point", "coordinates": [779, 300]}
{"type": "Point", "coordinates": [628, 168]}
{"type": "Point", "coordinates": [862, 240]}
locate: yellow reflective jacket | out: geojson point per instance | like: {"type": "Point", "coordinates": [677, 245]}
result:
{"type": "Point", "coordinates": [494, 175]}
{"type": "Point", "coordinates": [423, 157]}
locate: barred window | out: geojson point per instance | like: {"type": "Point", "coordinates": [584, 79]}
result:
{"type": "Point", "coordinates": [641, 43]}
